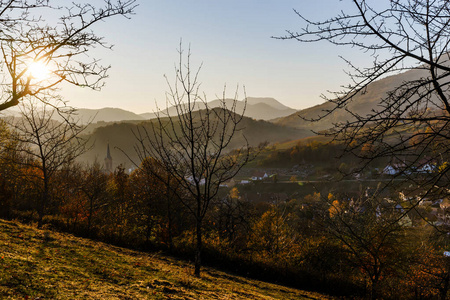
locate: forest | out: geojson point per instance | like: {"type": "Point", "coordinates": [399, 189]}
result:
{"type": "Point", "coordinates": [340, 241]}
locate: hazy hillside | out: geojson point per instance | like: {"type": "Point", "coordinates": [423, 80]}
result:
{"type": "Point", "coordinates": [269, 101]}
{"type": "Point", "coordinates": [362, 104]}
{"type": "Point", "coordinates": [257, 108]}
{"type": "Point", "coordinates": [120, 136]}
{"type": "Point", "coordinates": [107, 114]}
{"type": "Point", "coordinates": [264, 111]}
{"type": "Point", "coordinates": [85, 115]}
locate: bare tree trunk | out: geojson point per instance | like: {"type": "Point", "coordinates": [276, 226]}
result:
{"type": "Point", "coordinates": [41, 212]}
{"type": "Point", "coordinates": [444, 290]}
{"type": "Point", "coordinates": [198, 249]}
{"type": "Point", "coordinates": [91, 211]}
{"type": "Point", "coordinates": [44, 200]}
{"type": "Point", "coordinates": [169, 222]}
{"type": "Point", "coordinates": [149, 227]}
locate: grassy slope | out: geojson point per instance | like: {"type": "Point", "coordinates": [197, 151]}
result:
{"type": "Point", "coordinates": [37, 264]}
{"type": "Point", "coordinates": [362, 104]}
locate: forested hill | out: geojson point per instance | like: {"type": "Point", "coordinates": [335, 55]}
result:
{"type": "Point", "coordinates": [361, 104]}
{"type": "Point", "coordinates": [256, 108]}
{"type": "Point", "coordinates": [122, 140]}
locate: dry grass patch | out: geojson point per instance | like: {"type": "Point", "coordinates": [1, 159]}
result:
{"type": "Point", "coordinates": [39, 264]}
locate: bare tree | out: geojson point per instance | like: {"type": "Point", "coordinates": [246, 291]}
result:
{"type": "Point", "coordinates": [411, 124]}
{"type": "Point", "coordinates": [369, 230]}
{"type": "Point", "coordinates": [233, 216]}
{"type": "Point", "coordinates": [150, 194]}
{"type": "Point", "coordinates": [93, 186]}
{"type": "Point", "coordinates": [29, 41]}
{"type": "Point", "coordinates": [48, 144]}
{"type": "Point", "coordinates": [192, 146]}
{"type": "Point", "coordinates": [9, 156]}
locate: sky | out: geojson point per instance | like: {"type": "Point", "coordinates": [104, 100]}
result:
{"type": "Point", "coordinates": [231, 39]}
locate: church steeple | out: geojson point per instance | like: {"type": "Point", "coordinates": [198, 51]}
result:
{"type": "Point", "coordinates": [108, 160]}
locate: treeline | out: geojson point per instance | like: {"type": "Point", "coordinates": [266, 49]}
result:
{"type": "Point", "coordinates": [118, 135]}
{"type": "Point", "coordinates": [310, 152]}
{"type": "Point", "coordinates": [360, 246]}
{"type": "Point", "coordinates": [327, 157]}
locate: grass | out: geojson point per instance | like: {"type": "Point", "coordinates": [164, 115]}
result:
{"type": "Point", "coordinates": [42, 264]}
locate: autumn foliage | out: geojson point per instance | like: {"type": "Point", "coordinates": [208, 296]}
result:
{"type": "Point", "coordinates": [327, 242]}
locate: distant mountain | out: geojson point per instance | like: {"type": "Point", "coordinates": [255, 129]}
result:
{"type": "Point", "coordinates": [269, 101]}
{"type": "Point", "coordinates": [97, 117]}
{"type": "Point", "coordinates": [256, 108]}
{"type": "Point", "coordinates": [107, 114]}
{"type": "Point", "coordinates": [120, 136]}
{"type": "Point", "coordinates": [362, 104]}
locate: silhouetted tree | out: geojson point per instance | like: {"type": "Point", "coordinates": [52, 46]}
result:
{"type": "Point", "coordinates": [411, 125]}
{"type": "Point", "coordinates": [192, 146]}
{"type": "Point", "coordinates": [233, 216]}
{"type": "Point", "coordinates": [49, 144]}
{"type": "Point", "coordinates": [120, 201]}
{"type": "Point", "coordinates": [371, 230]}
{"type": "Point", "coordinates": [9, 170]}
{"type": "Point", "coordinates": [61, 46]}
{"type": "Point", "coordinates": [93, 186]}
{"type": "Point", "coordinates": [149, 193]}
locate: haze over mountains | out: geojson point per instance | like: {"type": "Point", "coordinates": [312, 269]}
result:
{"type": "Point", "coordinates": [121, 138]}
{"type": "Point", "coordinates": [362, 104]}
{"type": "Point", "coordinates": [256, 108]}
{"type": "Point", "coordinates": [277, 122]}
{"type": "Point", "coordinates": [107, 114]}
{"type": "Point", "coordinates": [272, 110]}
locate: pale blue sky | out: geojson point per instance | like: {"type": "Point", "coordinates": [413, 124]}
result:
{"type": "Point", "coordinates": [233, 40]}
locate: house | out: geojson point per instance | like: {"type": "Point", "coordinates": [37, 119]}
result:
{"type": "Point", "coordinates": [399, 208]}
{"type": "Point", "coordinates": [202, 181]}
{"type": "Point", "coordinates": [258, 176]}
{"type": "Point", "coordinates": [426, 166]}
{"type": "Point", "coordinates": [391, 169]}
{"type": "Point", "coordinates": [395, 167]}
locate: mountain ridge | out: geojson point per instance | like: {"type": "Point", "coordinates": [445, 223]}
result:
{"type": "Point", "coordinates": [106, 114]}
{"type": "Point", "coordinates": [258, 108]}
{"type": "Point", "coordinates": [120, 136]}
{"type": "Point", "coordinates": [362, 104]}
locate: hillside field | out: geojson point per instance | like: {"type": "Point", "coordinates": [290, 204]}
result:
{"type": "Point", "coordinates": [43, 264]}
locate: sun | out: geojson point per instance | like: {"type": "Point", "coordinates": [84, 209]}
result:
{"type": "Point", "coordinates": [38, 70]}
